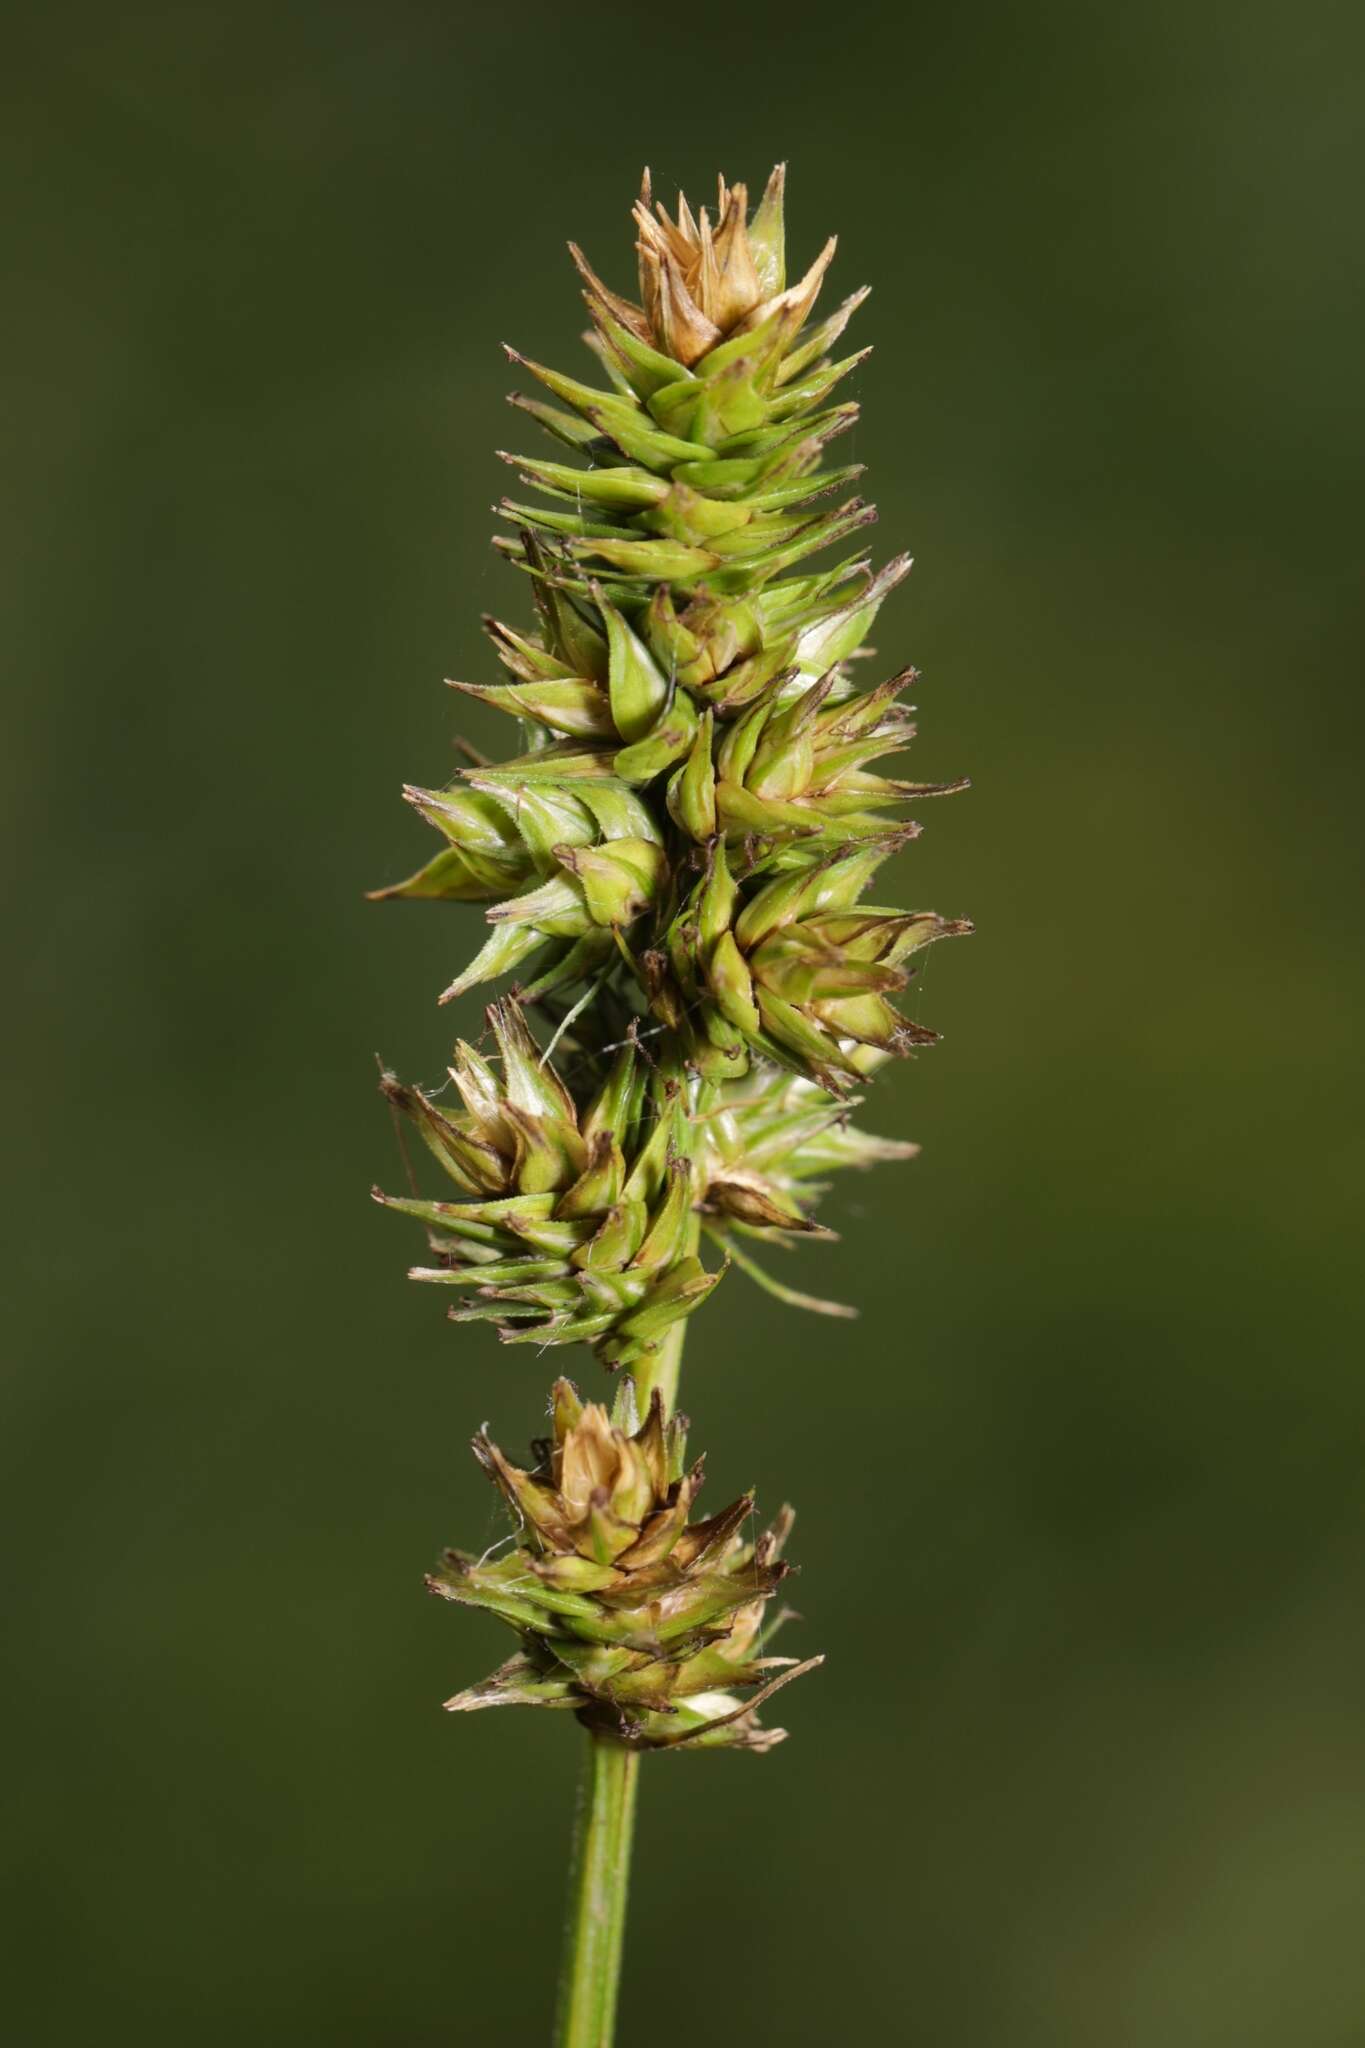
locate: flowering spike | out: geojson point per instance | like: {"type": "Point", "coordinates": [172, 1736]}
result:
{"type": "Point", "coordinates": [672, 867]}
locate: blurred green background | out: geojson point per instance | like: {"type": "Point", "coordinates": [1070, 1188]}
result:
{"type": "Point", "coordinates": [1081, 1496]}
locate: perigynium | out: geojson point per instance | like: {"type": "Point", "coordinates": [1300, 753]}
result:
{"type": "Point", "coordinates": [674, 865]}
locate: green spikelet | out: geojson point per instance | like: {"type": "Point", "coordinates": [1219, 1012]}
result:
{"type": "Point", "coordinates": [681, 846]}
{"type": "Point", "coordinates": [672, 863]}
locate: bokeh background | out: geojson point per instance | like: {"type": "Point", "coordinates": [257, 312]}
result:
{"type": "Point", "coordinates": [1081, 1495]}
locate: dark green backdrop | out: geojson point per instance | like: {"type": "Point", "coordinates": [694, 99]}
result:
{"type": "Point", "coordinates": [1081, 1495]}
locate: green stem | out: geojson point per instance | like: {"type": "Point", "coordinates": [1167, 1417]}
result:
{"type": "Point", "coordinates": [660, 1369]}
{"type": "Point", "coordinates": [598, 1880]}
{"type": "Point", "coordinates": [599, 1870]}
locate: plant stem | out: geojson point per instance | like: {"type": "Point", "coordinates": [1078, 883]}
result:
{"type": "Point", "coordinates": [598, 1880]}
{"type": "Point", "coordinates": [604, 1830]}
{"type": "Point", "coordinates": [661, 1370]}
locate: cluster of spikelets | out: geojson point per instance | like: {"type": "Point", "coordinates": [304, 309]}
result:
{"type": "Point", "coordinates": [648, 1625]}
{"type": "Point", "coordinates": [583, 1225]}
{"type": "Point", "coordinates": [673, 867]}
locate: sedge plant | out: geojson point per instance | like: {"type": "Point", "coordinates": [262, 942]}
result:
{"type": "Point", "coordinates": [674, 866]}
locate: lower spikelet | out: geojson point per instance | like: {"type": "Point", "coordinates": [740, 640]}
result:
{"type": "Point", "coordinates": [646, 1624]}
